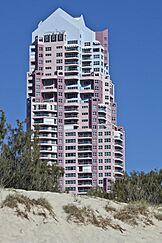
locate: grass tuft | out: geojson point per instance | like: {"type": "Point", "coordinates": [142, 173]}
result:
{"type": "Point", "coordinates": [131, 213]}
{"type": "Point", "coordinates": [86, 215]}
{"type": "Point", "coordinates": [23, 205]}
{"type": "Point", "coordinates": [110, 209]}
{"type": "Point", "coordinates": [158, 216]}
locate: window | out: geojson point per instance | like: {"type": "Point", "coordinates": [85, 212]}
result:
{"type": "Point", "coordinates": [59, 61]}
{"type": "Point", "coordinates": [107, 174]}
{"type": "Point", "coordinates": [70, 175]}
{"type": "Point", "coordinates": [47, 38]}
{"type": "Point", "coordinates": [59, 54]}
{"type": "Point", "coordinates": [70, 188]}
{"type": "Point", "coordinates": [71, 161]}
{"type": "Point", "coordinates": [107, 140]}
{"type": "Point", "coordinates": [100, 181]}
{"type": "Point", "coordinates": [107, 153]}
{"type": "Point", "coordinates": [96, 63]}
{"type": "Point", "coordinates": [107, 133]}
{"type": "Point", "coordinates": [107, 160]}
{"type": "Point", "coordinates": [48, 61]}
{"type": "Point", "coordinates": [40, 61]}
{"type": "Point", "coordinates": [100, 160]}
{"type": "Point", "coordinates": [100, 134]}
{"type": "Point", "coordinates": [100, 140]}
{"type": "Point", "coordinates": [53, 38]}
{"type": "Point", "coordinates": [100, 154]}
{"type": "Point", "coordinates": [84, 120]}
{"type": "Point", "coordinates": [107, 167]}
{"type": "Point", "coordinates": [100, 174]}
{"type": "Point", "coordinates": [58, 47]}
{"type": "Point", "coordinates": [70, 154]}
{"type": "Point", "coordinates": [59, 67]}
{"type": "Point", "coordinates": [100, 167]}
{"type": "Point", "coordinates": [70, 147]}
{"type": "Point", "coordinates": [70, 134]}
{"type": "Point", "coordinates": [48, 54]}
{"type": "Point", "coordinates": [47, 67]}
{"type": "Point", "coordinates": [48, 48]}
{"type": "Point", "coordinates": [60, 37]}
{"type": "Point", "coordinates": [70, 168]}
{"type": "Point", "coordinates": [107, 146]}
{"type": "Point", "coordinates": [70, 140]}
{"type": "Point", "coordinates": [96, 69]}
{"type": "Point", "coordinates": [100, 147]}
{"type": "Point", "coordinates": [96, 56]}
{"type": "Point", "coordinates": [70, 182]}
{"type": "Point", "coordinates": [87, 43]}
{"type": "Point", "coordinates": [73, 42]}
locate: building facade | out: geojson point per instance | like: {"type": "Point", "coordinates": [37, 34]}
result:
{"type": "Point", "coordinates": [70, 96]}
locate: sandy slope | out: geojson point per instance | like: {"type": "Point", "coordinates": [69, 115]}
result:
{"type": "Point", "coordinates": [36, 230]}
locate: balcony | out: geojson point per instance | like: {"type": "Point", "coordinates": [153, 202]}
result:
{"type": "Point", "coordinates": [118, 152]}
{"type": "Point", "coordinates": [85, 135]}
{"type": "Point", "coordinates": [118, 143]}
{"type": "Point", "coordinates": [85, 162]}
{"type": "Point", "coordinates": [119, 159]}
{"type": "Point", "coordinates": [83, 183]}
{"type": "Point", "coordinates": [71, 56]}
{"type": "Point", "coordinates": [83, 190]}
{"type": "Point", "coordinates": [51, 88]}
{"type": "Point", "coordinates": [85, 175]}
{"type": "Point", "coordinates": [71, 116]}
{"type": "Point", "coordinates": [70, 109]}
{"type": "Point", "coordinates": [84, 155]}
{"type": "Point", "coordinates": [71, 49]}
{"type": "Point", "coordinates": [83, 141]}
{"type": "Point", "coordinates": [118, 165]}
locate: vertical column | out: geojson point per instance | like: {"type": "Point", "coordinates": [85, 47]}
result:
{"type": "Point", "coordinates": [60, 126]}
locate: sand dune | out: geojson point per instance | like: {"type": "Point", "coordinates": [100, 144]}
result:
{"type": "Point", "coordinates": [41, 229]}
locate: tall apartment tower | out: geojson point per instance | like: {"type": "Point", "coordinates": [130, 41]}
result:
{"type": "Point", "coordinates": [70, 96]}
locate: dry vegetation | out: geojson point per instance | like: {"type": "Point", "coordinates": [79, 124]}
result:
{"type": "Point", "coordinates": [134, 213]}
{"type": "Point", "coordinates": [158, 216]}
{"type": "Point", "coordinates": [23, 206]}
{"type": "Point", "coordinates": [110, 209]}
{"type": "Point", "coordinates": [86, 215]}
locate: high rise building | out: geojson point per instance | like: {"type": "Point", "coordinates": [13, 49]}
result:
{"type": "Point", "coordinates": [70, 96]}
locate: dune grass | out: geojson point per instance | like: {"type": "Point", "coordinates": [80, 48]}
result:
{"type": "Point", "coordinates": [23, 205]}
{"type": "Point", "coordinates": [86, 215]}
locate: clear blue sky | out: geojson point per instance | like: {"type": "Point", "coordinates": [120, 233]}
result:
{"type": "Point", "coordinates": [135, 44]}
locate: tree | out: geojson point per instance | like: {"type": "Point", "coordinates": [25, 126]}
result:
{"type": "Point", "coordinates": [20, 164]}
{"type": "Point", "coordinates": [3, 129]}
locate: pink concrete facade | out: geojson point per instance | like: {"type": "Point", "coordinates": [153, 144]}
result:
{"type": "Point", "coordinates": [70, 96]}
